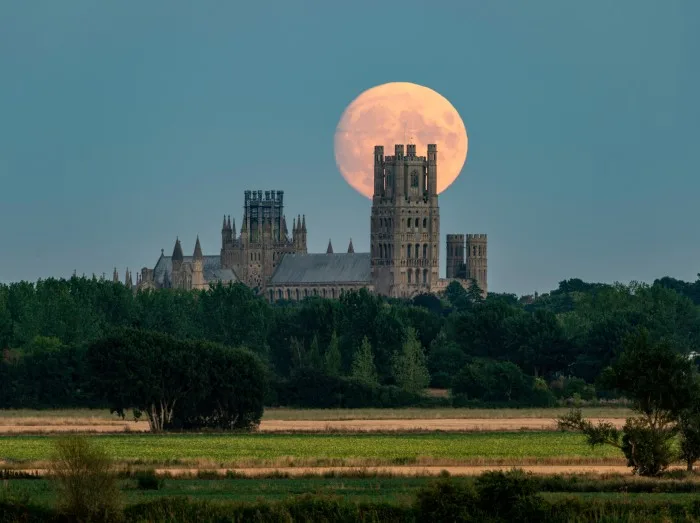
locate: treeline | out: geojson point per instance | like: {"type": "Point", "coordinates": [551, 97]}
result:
{"type": "Point", "coordinates": [358, 350]}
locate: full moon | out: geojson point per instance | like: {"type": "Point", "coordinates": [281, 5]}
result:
{"type": "Point", "coordinates": [399, 113]}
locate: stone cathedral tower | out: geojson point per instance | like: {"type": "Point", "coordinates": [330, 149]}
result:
{"type": "Point", "coordinates": [405, 222]}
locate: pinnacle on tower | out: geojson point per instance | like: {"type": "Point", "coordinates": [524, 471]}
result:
{"type": "Point", "coordinates": [115, 276]}
{"type": "Point", "coordinates": [351, 249]}
{"type": "Point", "coordinates": [299, 222]}
{"type": "Point", "coordinates": [294, 225]}
{"type": "Point", "coordinates": [177, 251]}
{"type": "Point", "coordinates": [232, 227]}
{"type": "Point", "coordinates": [127, 280]}
{"type": "Point", "coordinates": [303, 223]}
{"type": "Point", "coordinates": [329, 250]}
{"type": "Point", "coordinates": [284, 225]}
{"type": "Point", "coordinates": [197, 250]}
{"type": "Point", "coordinates": [224, 226]}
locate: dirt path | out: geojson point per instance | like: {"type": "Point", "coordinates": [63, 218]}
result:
{"type": "Point", "coordinates": [386, 425]}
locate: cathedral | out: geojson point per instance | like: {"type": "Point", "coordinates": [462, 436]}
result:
{"type": "Point", "coordinates": [404, 237]}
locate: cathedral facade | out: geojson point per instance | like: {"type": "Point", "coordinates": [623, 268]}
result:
{"type": "Point", "coordinates": [404, 244]}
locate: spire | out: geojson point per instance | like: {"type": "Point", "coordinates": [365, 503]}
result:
{"type": "Point", "coordinates": [224, 225]}
{"type": "Point", "coordinates": [329, 250]}
{"type": "Point", "coordinates": [285, 231]}
{"type": "Point", "coordinates": [115, 276]}
{"type": "Point", "coordinates": [294, 225]}
{"type": "Point", "coordinates": [128, 281]}
{"type": "Point", "coordinates": [177, 251]}
{"type": "Point", "coordinates": [351, 249]}
{"type": "Point", "coordinates": [299, 222]}
{"type": "Point", "coordinates": [303, 224]}
{"type": "Point", "coordinates": [232, 227]}
{"type": "Point", "coordinates": [197, 250]}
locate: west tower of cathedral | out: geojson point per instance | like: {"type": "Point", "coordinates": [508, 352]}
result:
{"type": "Point", "coordinates": [405, 222]}
{"type": "Point", "coordinates": [403, 260]}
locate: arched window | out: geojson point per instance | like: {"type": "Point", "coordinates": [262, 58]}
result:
{"type": "Point", "coordinates": [381, 250]}
{"type": "Point", "coordinates": [408, 250]}
{"type": "Point", "coordinates": [479, 250]}
{"type": "Point", "coordinates": [414, 179]}
{"type": "Point", "coordinates": [315, 292]}
{"type": "Point", "coordinates": [297, 294]}
{"type": "Point", "coordinates": [408, 223]}
{"type": "Point", "coordinates": [416, 222]}
{"type": "Point", "coordinates": [306, 293]}
{"type": "Point", "coordinates": [324, 293]}
{"type": "Point", "coordinates": [425, 223]}
{"type": "Point", "coordinates": [279, 294]}
{"type": "Point", "coordinates": [417, 250]}
{"type": "Point", "coordinates": [289, 294]}
{"type": "Point", "coordinates": [408, 275]}
{"type": "Point", "coordinates": [272, 295]}
{"type": "Point", "coordinates": [425, 250]}
{"type": "Point", "coordinates": [333, 292]}
{"type": "Point", "coordinates": [425, 275]}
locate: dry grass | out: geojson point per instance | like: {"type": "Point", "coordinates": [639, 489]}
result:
{"type": "Point", "coordinates": [284, 414]}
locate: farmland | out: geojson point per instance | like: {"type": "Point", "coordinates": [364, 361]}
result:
{"type": "Point", "coordinates": [247, 450]}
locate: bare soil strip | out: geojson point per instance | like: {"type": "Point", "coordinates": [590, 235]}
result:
{"type": "Point", "coordinates": [358, 425]}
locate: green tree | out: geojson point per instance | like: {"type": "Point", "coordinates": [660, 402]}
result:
{"type": "Point", "coordinates": [409, 369]}
{"type": "Point", "coordinates": [332, 358]}
{"type": "Point", "coordinates": [315, 358]}
{"type": "Point", "coordinates": [363, 367]}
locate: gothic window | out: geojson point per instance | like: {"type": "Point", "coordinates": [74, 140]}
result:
{"type": "Point", "coordinates": [479, 250]}
{"type": "Point", "coordinates": [425, 223]}
{"type": "Point", "coordinates": [408, 223]}
{"type": "Point", "coordinates": [324, 293]}
{"type": "Point", "coordinates": [272, 295]}
{"type": "Point", "coordinates": [408, 250]}
{"type": "Point", "coordinates": [289, 294]}
{"type": "Point", "coordinates": [297, 294]}
{"type": "Point", "coordinates": [425, 275]}
{"type": "Point", "coordinates": [381, 250]}
{"type": "Point", "coordinates": [414, 179]}
{"type": "Point", "coordinates": [416, 222]}
{"type": "Point", "coordinates": [279, 294]}
{"type": "Point", "coordinates": [425, 250]}
{"type": "Point", "coordinates": [306, 293]}
{"type": "Point", "coordinates": [408, 274]}
{"type": "Point", "coordinates": [474, 250]}
{"type": "Point", "coordinates": [417, 251]}
{"type": "Point", "coordinates": [333, 293]}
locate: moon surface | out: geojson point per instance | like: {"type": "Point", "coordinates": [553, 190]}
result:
{"type": "Point", "coordinates": [399, 113]}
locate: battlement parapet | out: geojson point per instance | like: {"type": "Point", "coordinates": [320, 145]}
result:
{"type": "Point", "coordinates": [471, 237]}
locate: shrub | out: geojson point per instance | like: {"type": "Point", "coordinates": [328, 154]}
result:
{"type": "Point", "coordinates": [147, 480]}
{"type": "Point", "coordinates": [86, 482]}
{"type": "Point", "coordinates": [446, 500]}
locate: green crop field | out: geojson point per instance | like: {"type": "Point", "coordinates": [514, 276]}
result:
{"type": "Point", "coordinates": [328, 449]}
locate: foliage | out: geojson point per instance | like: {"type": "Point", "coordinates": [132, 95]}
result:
{"type": "Point", "coordinates": [363, 368]}
{"type": "Point", "coordinates": [176, 383]}
{"type": "Point", "coordinates": [86, 481]}
{"type": "Point", "coordinates": [409, 368]}
{"type": "Point", "coordinates": [575, 331]}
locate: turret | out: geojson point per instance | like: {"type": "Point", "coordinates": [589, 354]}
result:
{"type": "Point", "coordinates": [128, 281]}
{"type": "Point", "coordinates": [115, 276]}
{"type": "Point", "coordinates": [351, 249]}
{"type": "Point", "coordinates": [476, 260]}
{"type": "Point", "coordinates": [329, 249]}
{"type": "Point", "coordinates": [232, 227]}
{"type": "Point", "coordinates": [197, 266]}
{"type": "Point", "coordinates": [177, 262]}
{"type": "Point", "coordinates": [378, 171]}
{"type": "Point", "coordinates": [432, 169]}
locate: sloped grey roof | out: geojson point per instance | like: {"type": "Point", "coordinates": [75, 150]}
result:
{"type": "Point", "coordinates": [211, 266]}
{"type": "Point", "coordinates": [297, 269]}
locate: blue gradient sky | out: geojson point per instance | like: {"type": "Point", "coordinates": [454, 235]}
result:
{"type": "Point", "coordinates": [124, 124]}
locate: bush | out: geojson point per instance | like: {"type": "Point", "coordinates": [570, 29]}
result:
{"type": "Point", "coordinates": [648, 450]}
{"type": "Point", "coordinates": [86, 482]}
{"type": "Point", "coordinates": [147, 480]}
{"type": "Point", "coordinates": [446, 501]}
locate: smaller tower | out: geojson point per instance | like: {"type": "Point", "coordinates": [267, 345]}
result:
{"type": "Point", "coordinates": [127, 280]}
{"type": "Point", "coordinates": [351, 249]}
{"type": "Point", "coordinates": [303, 234]}
{"type": "Point", "coordinates": [197, 266]}
{"type": "Point", "coordinates": [115, 276]}
{"type": "Point", "coordinates": [177, 260]}
{"type": "Point", "coordinates": [476, 260]}
{"type": "Point", "coordinates": [329, 249]}
{"type": "Point", "coordinates": [455, 256]}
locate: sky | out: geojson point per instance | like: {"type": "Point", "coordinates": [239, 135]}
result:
{"type": "Point", "coordinates": [126, 124]}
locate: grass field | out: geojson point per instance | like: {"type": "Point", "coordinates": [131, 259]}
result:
{"type": "Point", "coordinates": [247, 450]}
